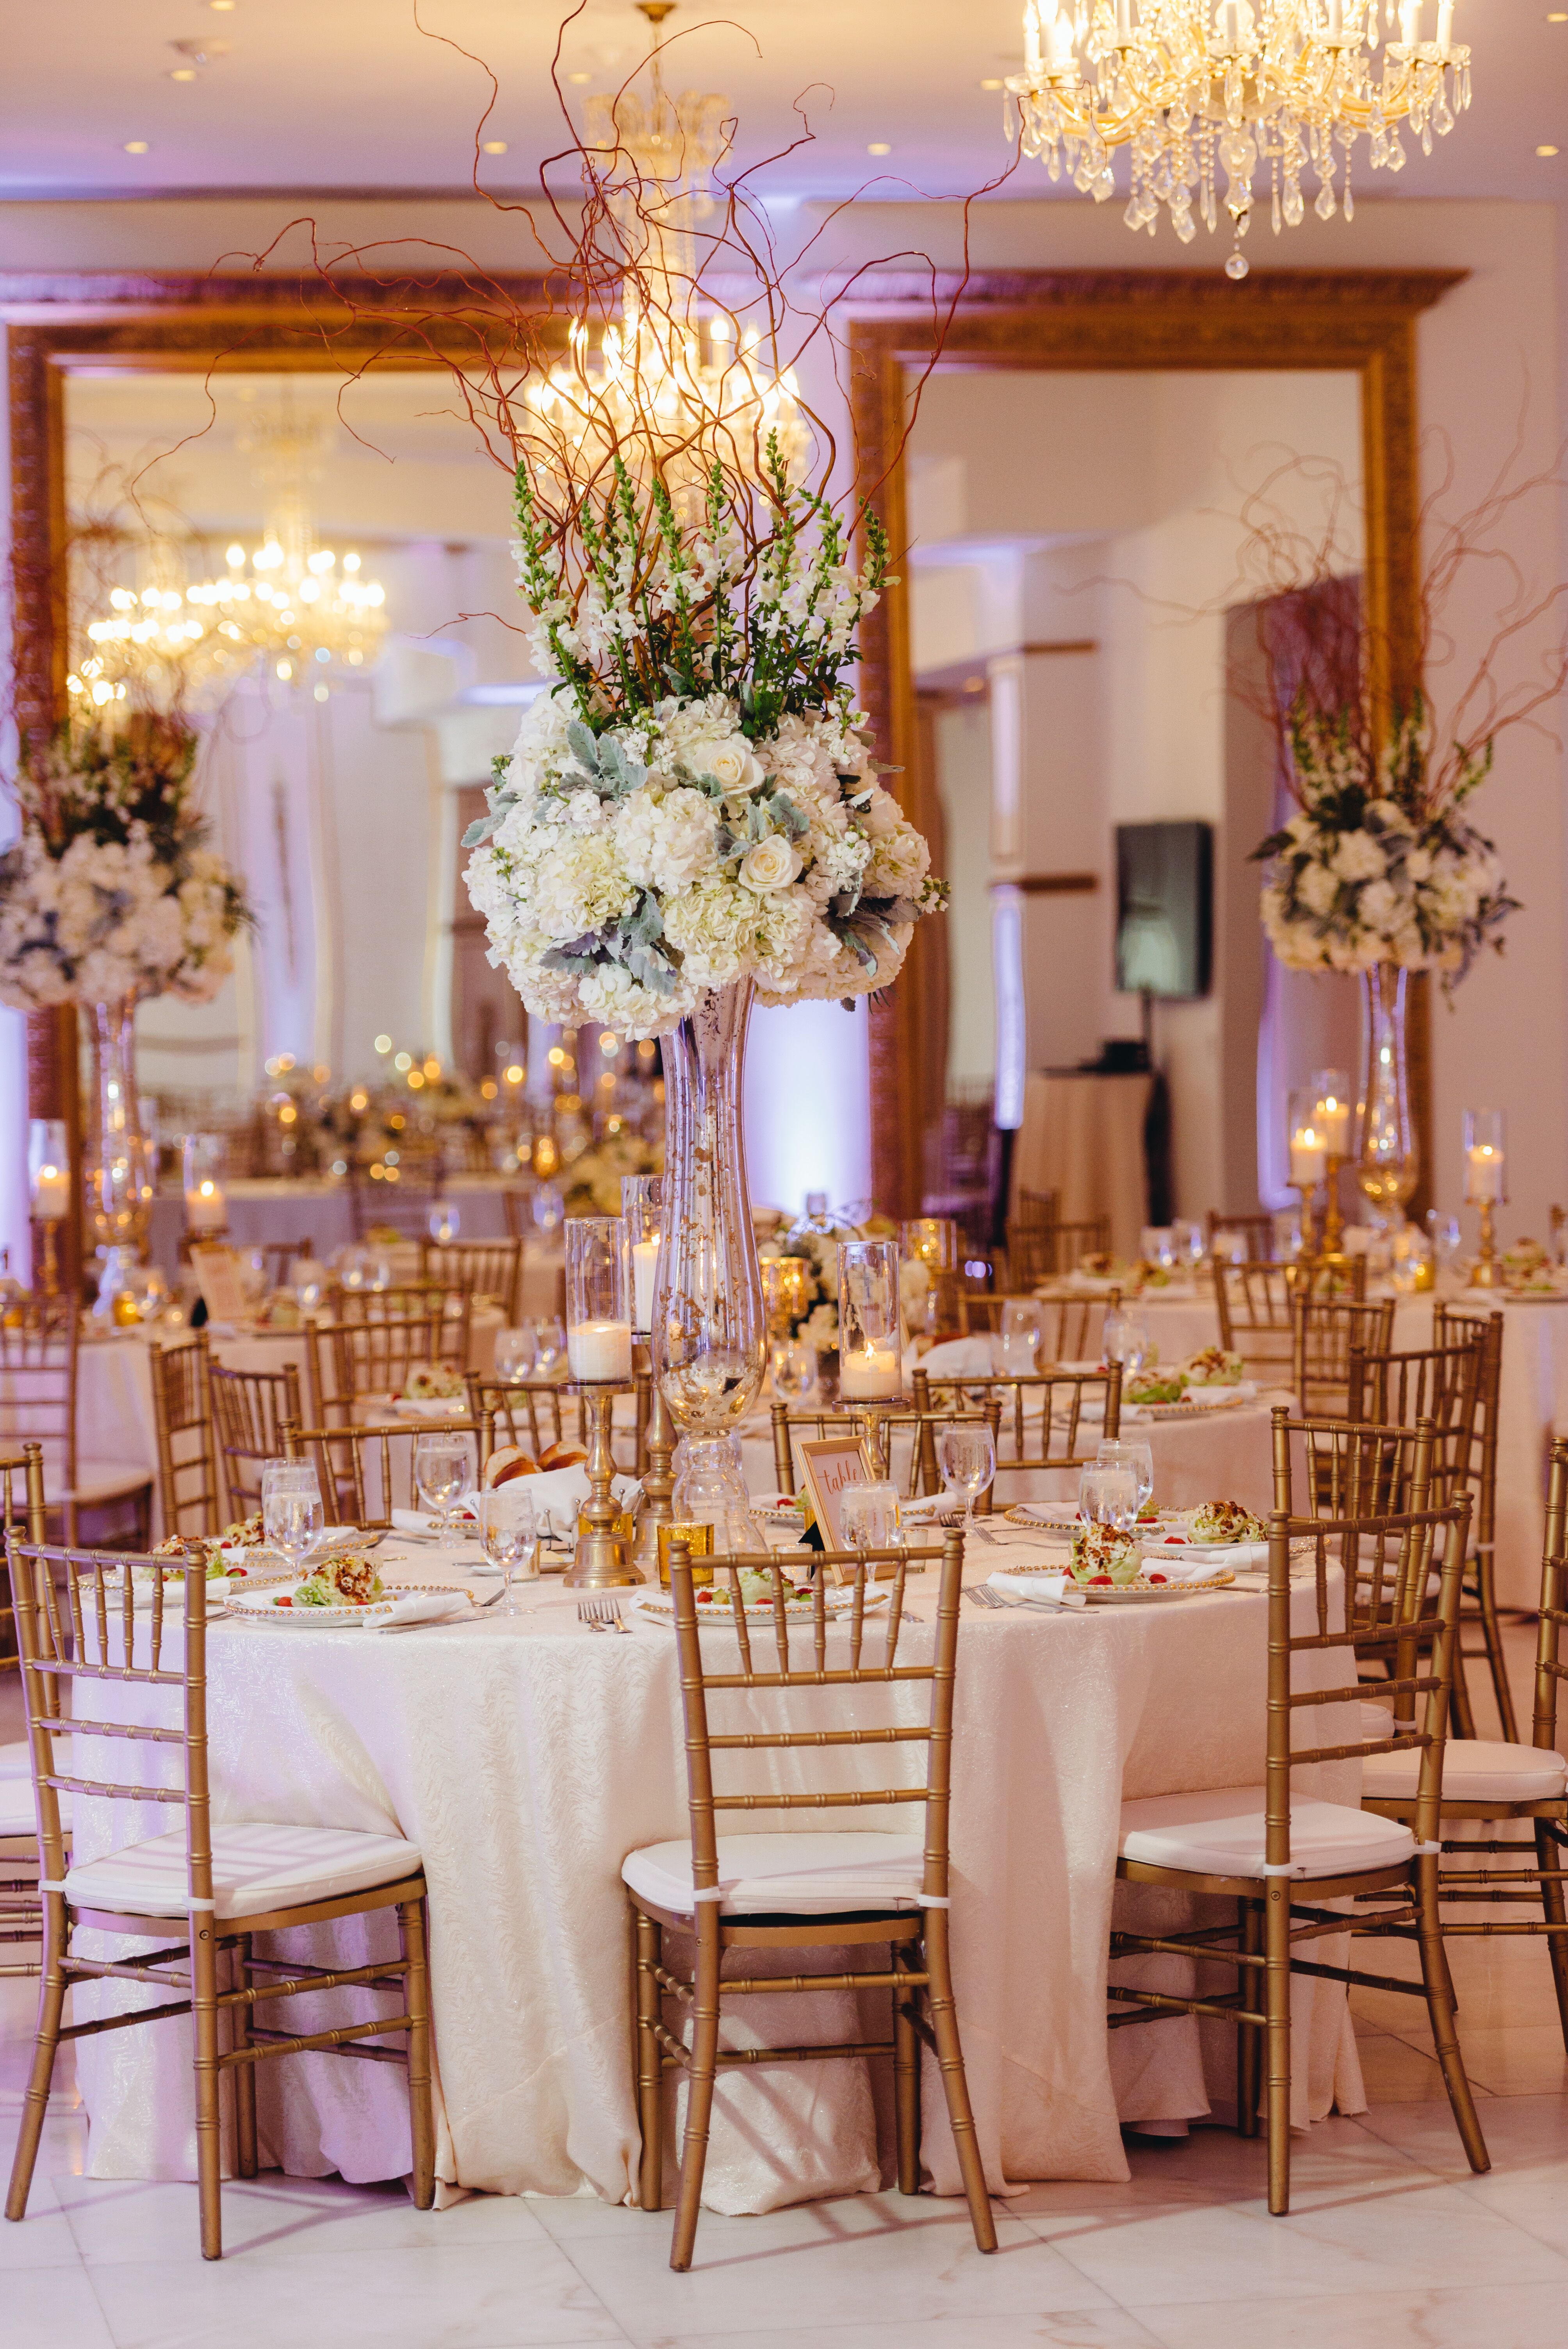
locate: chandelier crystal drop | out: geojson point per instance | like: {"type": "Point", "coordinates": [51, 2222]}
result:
{"type": "Point", "coordinates": [1203, 95]}
{"type": "Point", "coordinates": [679, 372]}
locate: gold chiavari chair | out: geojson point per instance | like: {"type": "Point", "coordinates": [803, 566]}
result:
{"type": "Point", "coordinates": [248, 1408]}
{"type": "Point", "coordinates": [918, 1428]}
{"type": "Point", "coordinates": [1354, 1469]}
{"type": "Point", "coordinates": [1043, 1409]}
{"type": "Point", "coordinates": [21, 1904]}
{"type": "Point", "coordinates": [279, 1256]}
{"type": "Point", "coordinates": [348, 1360]}
{"type": "Point", "coordinates": [39, 1357]}
{"type": "Point", "coordinates": [1031, 1253]}
{"type": "Point", "coordinates": [1479, 1604]}
{"type": "Point", "coordinates": [1324, 1330]}
{"type": "Point", "coordinates": [785, 1890]}
{"type": "Point", "coordinates": [533, 1413]}
{"type": "Point", "coordinates": [491, 1269]}
{"type": "Point", "coordinates": [1071, 1324]}
{"type": "Point", "coordinates": [1284, 1860]}
{"type": "Point", "coordinates": [1489, 1781]}
{"type": "Point", "coordinates": [403, 1207]}
{"type": "Point", "coordinates": [205, 1892]}
{"type": "Point", "coordinates": [1063, 1248]}
{"type": "Point", "coordinates": [1255, 1305]}
{"type": "Point", "coordinates": [365, 1472]}
{"type": "Point", "coordinates": [187, 1492]}
{"type": "Point", "coordinates": [1256, 1230]}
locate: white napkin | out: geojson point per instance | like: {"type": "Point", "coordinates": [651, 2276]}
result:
{"type": "Point", "coordinates": [1212, 1391]}
{"type": "Point", "coordinates": [414, 1521]}
{"type": "Point", "coordinates": [1208, 1554]}
{"type": "Point", "coordinates": [425, 1606]}
{"type": "Point", "coordinates": [974, 1357]}
{"type": "Point", "coordinates": [1049, 1583]}
{"type": "Point", "coordinates": [558, 1493]}
{"type": "Point", "coordinates": [1176, 1568]}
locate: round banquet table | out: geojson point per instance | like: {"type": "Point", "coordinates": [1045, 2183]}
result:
{"type": "Point", "coordinates": [527, 1756]}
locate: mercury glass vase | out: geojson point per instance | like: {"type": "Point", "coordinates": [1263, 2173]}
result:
{"type": "Point", "coordinates": [118, 1155]}
{"type": "Point", "coordinates": [1387, 1160]}
{"type": "Point", "coordinates": [709, 1334]}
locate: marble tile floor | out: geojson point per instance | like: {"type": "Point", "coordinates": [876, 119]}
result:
{"type": "Point", "coordinates": [1390, 2241]}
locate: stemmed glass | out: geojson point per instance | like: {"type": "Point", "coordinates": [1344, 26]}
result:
{"type": "Point", "coordinates": [516, 1352]}
{"type": "Point", "coordinates": [445, 1221]}
{"type": "Point", "coordinates": [1023, 1328]}
{"type": "Point", "coordinates": [968, 1459]}
{"type": "Point", "coordinates": [444, 1472]}
{"type": "Point", "coordinates": [1125, 1453]}
{"type": "Point", "coordinates": [292, 1512]}
{"type": "Point", "coordinates": [870, 1516]}
{"type": "Point", "coordinates": [506, 1530]}
{"type": "Point", "coordinates": [1124, 1340]}
{"type": "Point", "coordinates": [549, 1344]}
{"type": "Point", "coordinates": [1107, 1495]}
{"type": "Point", "coordinates": [793, 1362]}
{"type": "Point", "coordinates": [549, 1207]}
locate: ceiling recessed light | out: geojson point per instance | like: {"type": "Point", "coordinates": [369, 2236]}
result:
{"type": "Point", "coordinates": [182, 73]}
{"type": "Point", "coordinates": [878, 146]}
{"type": "Point", "coordinates": [136, 146]}
{"type": "Point", "coordinates": [991, 85]}
{"type": "Point", "coordinates": [1546, 150]}
{"type": "Point", "coordinates": [495, 147]}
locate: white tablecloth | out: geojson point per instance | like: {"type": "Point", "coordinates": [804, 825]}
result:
{"type": "Point", "coordinates": [527, 1757]}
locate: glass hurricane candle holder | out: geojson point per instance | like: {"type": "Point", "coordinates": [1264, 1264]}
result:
{"type": "Point", "coordinates": [931, 1241]}
{"type": "Point", "coordinates": [641, 1212]}
{"type": "Point", "coordinates": [871, 1367]}
{"type": "Point", "coordinates": [598, 1301]}
{"type": "Point", "coordinates": [642, 1208]}
{"type": "Point", "coordinates": [1486, 1186]}
{"type": "Point", "coordinates": [1331, 1108]}
{"type": "Point", "coordinates": [786, 1290]}
{"type": "Point", "coordinates": [1387, 1158]}
{"type": "Point", "coordinates": [206, 1208]}
{"type": "Point", "coordinates": [49, 1191]}
{"type": "Point", "coordinates": [1308, 1161]}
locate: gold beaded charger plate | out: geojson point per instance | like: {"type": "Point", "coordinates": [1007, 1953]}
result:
{"type": "Point", "coordinates": [1143, 1592]}
{"type": "Point", "coordinates": [837, 1605]}
{"type": "Point", "coordinates": [260, 1605]}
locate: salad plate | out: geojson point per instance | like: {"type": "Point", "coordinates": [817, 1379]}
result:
{"type": "Point", "coordinates": [272, 1601]}
{"type": "Point", "coordinates": [713, 1606]}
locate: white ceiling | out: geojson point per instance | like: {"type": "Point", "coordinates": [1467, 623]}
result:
{"type": "Point", "coordinates": [350, 94]}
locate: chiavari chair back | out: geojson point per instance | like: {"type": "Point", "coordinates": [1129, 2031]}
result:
{"type": "Point", "coordinates": [1053, 1254]}
{"type": "Point", "coordinates": [752, 1890]}
{"type": "Point", "coordinates": [1290, 1864]}
{"type": "Point", "coordinates": [533, 1413]}
{"type": "Point", "coordinates": [90, 1620]}
{"type": "Point", "coordinates": [365, 1473]}
{"type": "Point", "coordinates": [1071, 1325]}
{"type": "Point", "coordinates": [402, 1205]}
{"type": "Point", "coordinates": [349, 1361]}
{"type": "Point", "coordinates": [1501, 1782]}
{"type": "Point", "coordinates": [1255, 1306]}
{"type": "Point", "coordinates": [22, 1516]}
{"type": "Point", "coordinates": [1323, 1330]}
{"type": "Point", "coordinates": [38, 1366]}
{"type": "Point", "coordinates": [1050, 1419]}
{"type": "Point", "coordinates": [279, 1256]}
{"type": "Point", "coordinates": [1257, 1231]}
{"type": "Point", "coordinates": [1030, 1247]}
{"type": "Point", "coordinates": [480, 1268]}
{"type": "Point", "coordinates": [905, 1441]}
{"type": "Point", "coordinates": [187, 1490]}
{"type": "Point", "coordinates": [1450, 1327]}
{"type": "Point", "coordinates": [248, 1408]}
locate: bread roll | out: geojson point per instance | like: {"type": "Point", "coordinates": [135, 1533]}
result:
{"type": "Point", "coordinates": [507, 1463]}
{"type": "Point", "coordinates": [562, 1455]}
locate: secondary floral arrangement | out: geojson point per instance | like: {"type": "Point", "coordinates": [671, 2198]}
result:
{"type": "Point", "coordinates": [694, 801]}
{"type": "Point", "coordinates": [592, 1179]}
{"type": "Point", "coordinates": [1381, 866]}
{"type": "Point", "coordinates": [817, 1322]}
{"type": "Point", "coordinates": [110, 892]}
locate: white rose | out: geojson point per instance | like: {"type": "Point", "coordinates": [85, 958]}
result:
{"type": "Point", "coordinates": [882, 816]}
{"type": "Point", "coordinates": [1317, 888]}
{"type": "Point", "coordinates": [728, 759]}
{"type": "Point", "coordinates": [772, 863]}
{"type": "Point", "coordinates": [1358, 857]}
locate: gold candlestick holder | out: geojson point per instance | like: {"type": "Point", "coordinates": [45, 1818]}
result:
{"type": "Point", "coordinates": [50, 1271]}
{"type": "Point", "coordinates": [1487, 1270]}
{"type": "Point", "coordinates": [1306, 1192]}
{"type": "Point", "coordinates": [659, 1483]}
{"type": "Point", "coordinates": [1333, 1250]}
{"type": "Point", "coordinates": [602, 1560]}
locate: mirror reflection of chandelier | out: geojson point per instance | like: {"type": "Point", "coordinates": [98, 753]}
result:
{"type": "Point", "coordinates": [1194, 90]}
{"type": "Point", "coordinates": [288, 607]}
{"type": "Point", "coordinates": [672, 373]}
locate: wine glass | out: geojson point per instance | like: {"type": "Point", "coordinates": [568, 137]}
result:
{"type": "Point", "coordinates": [444, 1472]}
{"type": "Point", "coordinates": [1130, 1454]}
{"type": "Point", "coordinates": [515, 1351]}
{"type": "Point", "coordinates": [968, 1459]}
{"type": "Point", "coordinates": [870, 1516]}
{"type": "Point", "coordinates": [549, 1207]}
{"type": "Point", "coordinates": [506, 1531]}
{"type": "Point", "coordinates": [1125, 1340]}
{"type": "Point", "coordinates": [793, 1362]}
{"type": "Point", "coordinates": [1107, 1495]}
{"type": "Point", "coordinates": [445, 1221]}
{"type": "Point", "coordinates": [549, 1344]}
{"type": "Point", "coordinates": [292, 1512]}
{"type": "Point", "coordinates": [1023, 1328]}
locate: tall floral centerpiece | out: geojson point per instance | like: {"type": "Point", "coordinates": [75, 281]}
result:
{"type": "Point", "coordinates": [110, 895]}
{"type": "Point", "coordinates": [691, 821]}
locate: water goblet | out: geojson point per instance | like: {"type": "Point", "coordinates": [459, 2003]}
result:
{"type": "Point", "coordinates": [1107, 1495]}
{"type": "Point", "coordinates": [1124, 1452]}
{"type": "Point", "coordinates": [1124, 1340]}
{"type": "Point", "coordinates": [444, 1222]}
{"type": "Point", "coordinates": [292, 1512]}
{"type": "Point", "coordinates": [515, 1352]}
{"type": "Point", "coordinates": [549, 1344]}
{"type": "Point", "coordinates": [443, 1472]}
{"type": "Point", "coordinates": [793, 1362]}
{"type": "Point", "coordinates": [506, 1531]}
{"type": "Point", "coordinates": [870, 1516]}
{"type": "Point", "coordinates": [966, 1457]}
{"type": "Point", "coordinates": [549, 1207]}
{"type": "Point", "coordinates": [1023, 1328]}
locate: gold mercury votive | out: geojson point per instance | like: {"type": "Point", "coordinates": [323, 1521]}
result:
{"type": "Point", "coordinates": [698, 1540]}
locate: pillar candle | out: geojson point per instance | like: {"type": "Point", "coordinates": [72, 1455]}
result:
{"type": "Point", "coordinates": [1485, 1172]}
{"type": "Point", "coordinates": [1308, 1159]}
{"type": "Point", "coordinates": [51, 1194]}
{"type": "Point", "coordinates": [1332, 1120]}
{"type": "Point", "coordinates": [206, 1209]}
{"type": "Point", "coordinates": [873, 1376]}
{"type": "Point", "coordinates": [644, 1271]}
{"type": "Point", "coordinates": [599, 1350]}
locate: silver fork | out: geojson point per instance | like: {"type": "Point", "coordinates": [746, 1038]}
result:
{"type": "Point", "coordinates": [602, 1615]}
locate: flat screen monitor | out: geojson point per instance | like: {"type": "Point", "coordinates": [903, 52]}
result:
{"type": "Point", "coordinates": [1164, 908]}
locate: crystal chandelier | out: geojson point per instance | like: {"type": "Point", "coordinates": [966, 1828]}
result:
{"type": "Point", "coordinates": [673, 377]}
{"type": "Point", "coordinates": [289, 607]}
{"type": "Point", "coordinates": [1196, 90]}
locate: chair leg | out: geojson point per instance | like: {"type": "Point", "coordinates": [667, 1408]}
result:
{"type": "Point", "coordinates": [1548, 1855]}
{"type": "Point", "coordinates": [905, 2080]}
{"type": "Point", "coordinates": [1276, 2007]}
{"type": "Point", "coordinates": [1440, 2010]}
{"type": "Point", "coordinates": [1249, 2047]}
{"type": "Point", "coordinates": [650, 2062]}
{"type": "Point", "coordinates": [204, 2032]}
{"type": "Point", "coordinates": [245, 2161]}
{"type": "Point", "coordinates": [701, 2075]}
{"type": "Point", "coordinates": [422, 2112]}
{"type": "Point", "coordinates": [1491, 1632]}
{"type": "Point", "coordinates": [36, 2104]}
{"type": "Point", "coordinates": [955, 2087]}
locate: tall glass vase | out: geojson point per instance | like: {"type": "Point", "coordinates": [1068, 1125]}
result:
{"type": "Point", "coordinates": [1387, 1161]}
{"type": "Point", "coordinates": [709, 1336]}
{"type": "Point", "coordinates": [118, 1155]}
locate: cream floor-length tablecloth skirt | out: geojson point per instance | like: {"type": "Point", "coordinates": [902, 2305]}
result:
{"type": "Point", "coordinates": [526, 1758]}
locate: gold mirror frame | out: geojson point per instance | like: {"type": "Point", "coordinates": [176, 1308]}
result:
{"type": "Point", "coordinates": [1351, 321]}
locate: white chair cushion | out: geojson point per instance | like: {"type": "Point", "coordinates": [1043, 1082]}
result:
{"type": "Point", "coordinates": [256, 1866]}
{"type": "Point", "coordinates": [98, 1481]}
{"type": "Point", "coordinates": [1221, 1832]}
{"type": "Point", "coordinates": [803, 1874]}
{"type": "Point", "coordinates": [17, 1815]}
{"type": "Point", "coordinates": [1475, 1770]}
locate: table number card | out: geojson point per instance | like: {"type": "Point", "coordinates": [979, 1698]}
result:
{"type": "Point", "coordinates": [830, 1465]}
{"type": "Point", "coordinates": [217, 1270]}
